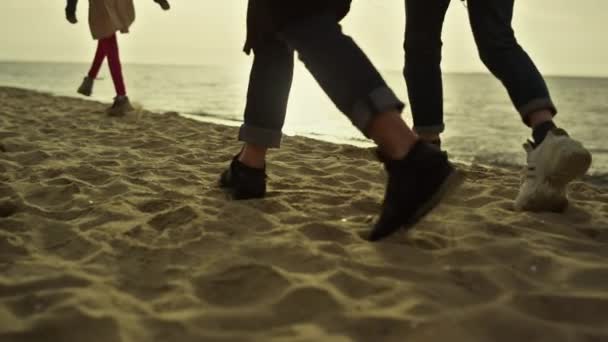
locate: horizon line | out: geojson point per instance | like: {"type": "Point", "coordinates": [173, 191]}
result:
{"type": "Point", "coordinates": [460, 72]}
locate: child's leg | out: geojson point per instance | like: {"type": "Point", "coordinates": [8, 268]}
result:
{"type": "Point", "coordinates": [110, 47]}
{"type": "Point", "coordinates": [100, 55]}
{"type": "Point", "coordinates": [86, 87]}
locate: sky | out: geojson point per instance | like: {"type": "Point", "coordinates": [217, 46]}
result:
{"type": "Point", "coordinates": [564, 37]}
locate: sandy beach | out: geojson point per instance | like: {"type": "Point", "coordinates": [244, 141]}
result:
{"type": "Point", "coordinates": [114, 229]}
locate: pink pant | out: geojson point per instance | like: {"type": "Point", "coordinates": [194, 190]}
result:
{"type": "Point", "coordinates": [108, 47]}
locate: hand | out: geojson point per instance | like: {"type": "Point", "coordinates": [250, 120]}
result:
{"type": "Point", "coordinates": [164, 4]}
{"type": "Point", "coordinates": [70, 16]}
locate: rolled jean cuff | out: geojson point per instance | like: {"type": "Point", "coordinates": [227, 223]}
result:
{"type": "Point", "coordinates": [379, 100]}
{"type": "Point", "coordinates": [436, 129]}
{"type": "Point", "coordinates": [265, 137]}
{"type": "Point", "coordinates": [534, 106]}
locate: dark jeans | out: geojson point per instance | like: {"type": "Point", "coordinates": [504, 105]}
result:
{"type": "Point", "coordinates": [335, 61]}
{"type": "Point", "coordinates": [491, 24]}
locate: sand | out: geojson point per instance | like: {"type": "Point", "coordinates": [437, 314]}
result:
{"type": "Point", "coordinates": [114, 229]}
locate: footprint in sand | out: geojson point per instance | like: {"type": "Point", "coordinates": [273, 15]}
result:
{"type": "Point", "coordinates": [173, 219]}
{"type": "Point", "coordinates": [241, 285]}
{"type": "Point", "coordinates": [306, 303]}
{"type": "Point", "coordinates": [52, 196]}
{"type": "Point", "coordinates": [326, 232]}
{"type": "Point", "coordinates": [31, 158]}
{"type": "Point", "coordinates": [154, 206]}
{"type": "Point", "coordinates": [8, 208]}
{"type": "Point", "coordinates": [354, 286]}
{"type": "Point", "coordinates": [42, 284]}
{"type": "Point", "coordinates": [89, 174]}
{"type": "Point", "coordinates": [11, 248]}
{"type": "Point", "coordinates": [590, 311]}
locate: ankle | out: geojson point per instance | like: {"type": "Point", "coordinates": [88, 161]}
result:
{"type": "Point", "coordinates": [432, 139]}
{"type": "Point", "coordinates": [540, 131]}
{"type": "Point", "coordinates": [428, 137]}
{"type": "Point", "coordinates": [393, 137]}
{"type": "Point", "coordinates": [253, 156]}
{"type": "Point", "coordinates": [419, 154]}
{"type": "Point", "coordinates": [539, 117]}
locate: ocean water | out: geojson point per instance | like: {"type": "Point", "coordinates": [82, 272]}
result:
{"type": "Point", "coordinates": [482, 126]}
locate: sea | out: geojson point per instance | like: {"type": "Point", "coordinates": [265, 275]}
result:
{"type": "Point", "coordinates": [482, 125]}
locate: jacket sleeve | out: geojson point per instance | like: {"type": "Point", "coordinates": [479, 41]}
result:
{"type": "Point", "coordinates": [71, 6]}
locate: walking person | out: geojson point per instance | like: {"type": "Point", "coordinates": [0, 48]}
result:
{"type": "Point", "coordinates": [553, 158]}
{"type": "Point", "coordinates": [419, 175]}
{"type": "Point", "coordinates": [106, 17]}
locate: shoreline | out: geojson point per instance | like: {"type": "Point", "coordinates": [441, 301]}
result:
{"type": "Point", "coordinates": [596, 178]}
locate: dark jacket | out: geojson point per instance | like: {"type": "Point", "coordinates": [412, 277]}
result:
{"type": "Point", "coordinates": [267, 17]}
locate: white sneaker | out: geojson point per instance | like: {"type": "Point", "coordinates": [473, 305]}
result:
{"type": "Point", "coordinates": [553, 164]}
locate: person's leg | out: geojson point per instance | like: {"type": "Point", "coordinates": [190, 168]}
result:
{"type": "Point", "coordinates": [554, 159]}
{"type": "Point", "coordinates": [505, 58]}
{"type": "Point", "coordinates": [267, 96]}
{"type": "Point", "coordinates": [86, 88]}
{"type": "Point", "coordinates": [418, 175]}
{"type": "Point", "coordinates": [349, 79]}
{"type": "Point", "coordinates": [100, 55]}
{"type": "Point", "coordinates": [110, 46]}
{"type": "Point", "coordinates": [422, 71]}
{"type": "Point", "coordinates": [121, 104]}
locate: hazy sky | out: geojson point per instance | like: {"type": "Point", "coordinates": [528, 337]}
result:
{"type": "Point", "coordinates": [565, 37]}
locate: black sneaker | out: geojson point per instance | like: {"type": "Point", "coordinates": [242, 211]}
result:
{"type": "Point", "coordinates": [433, 143]}
{"type": "Point", "coordinates": [243, 181]}
{"type": "Point", "coordinates": [416, 184]}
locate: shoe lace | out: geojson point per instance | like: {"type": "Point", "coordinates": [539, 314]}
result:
{"type": "Point", "coordinates": [529, 171]}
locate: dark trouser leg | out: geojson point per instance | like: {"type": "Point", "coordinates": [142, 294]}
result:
{"type": "Point", "coordinates": [504, 57]}
{"type": "Point", "coordinates": [341, 69]}
{"type": "Point", "coordinates": [269, 85]}
{"type": "Point", "coordinates": [424, 22]}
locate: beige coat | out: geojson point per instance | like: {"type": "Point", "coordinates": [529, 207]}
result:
{"type": "Point", "coordinates": [108, 16]}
